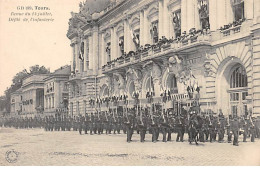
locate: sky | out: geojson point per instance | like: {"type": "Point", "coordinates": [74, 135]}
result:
{"type": "Point", "coordinates": [24, 44]}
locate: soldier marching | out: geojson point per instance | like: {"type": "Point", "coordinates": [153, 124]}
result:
{"type": "Point", "coordinates": [152, 118]}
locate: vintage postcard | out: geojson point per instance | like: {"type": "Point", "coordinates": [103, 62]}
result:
{"type": "Point", "coordinates": [129, 82]}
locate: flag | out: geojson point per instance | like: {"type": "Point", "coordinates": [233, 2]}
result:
{"type": "Point", "coordinates": [132, 34]}
{"type": "Point", "coordinates": [81, 51]}
{"type": "Point", "coordinates": [152, 85]}
{"type": "Point", "coordinates": [81, 57]}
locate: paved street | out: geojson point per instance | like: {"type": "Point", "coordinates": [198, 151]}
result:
{"type": "Point", "coordinates": [37, 147]}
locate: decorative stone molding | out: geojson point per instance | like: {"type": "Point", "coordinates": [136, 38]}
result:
{"type": "Point", "coordinates": [136, 76]}
{"type": "Point", "coordinates": [207, 68]}
{"type": "Point", "coordinates": [120, 80]}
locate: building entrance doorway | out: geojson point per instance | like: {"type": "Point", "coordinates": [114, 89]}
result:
{"type": "Point", "coordinates": [238, 90]}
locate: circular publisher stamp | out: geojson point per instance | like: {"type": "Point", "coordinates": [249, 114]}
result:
{"type": "Point", "coordinates": [11, 156]}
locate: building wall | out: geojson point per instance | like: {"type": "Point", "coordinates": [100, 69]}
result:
{"type": "Point", "coordinates": [54, 98]}
{"type": "Point", "coordinates": [210, 59]}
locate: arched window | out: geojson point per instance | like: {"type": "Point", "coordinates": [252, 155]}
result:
{"type": "Point", "coordinates": [171, 84]}
{"type": "Point", "coordinates": [105, 92]}
{"type": "Point", "coordinates": [131, 89]}
{"type": "Point", "coordinates": [238, 78]}
{"type": "Point", "coordinates": [238, 90]}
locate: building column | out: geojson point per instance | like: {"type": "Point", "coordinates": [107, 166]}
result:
{"type": "Point", "coordinates": [113, 44]}
{"type": "Point", "coordinates": [146, 31]}
{"type": "Point", "coordinates": [126, 38]}
{"type": "Point", "coordinates": [161, 19]}
{"type": "Point", "coordinates": [166, 19]}
{"type": "Point", "coordinates": [249, 6]}
{"type": "Point", "coordinates": [103, 46]}
{"type": "Point", "coordinates": [57, 95]}
{"type": "Point", "coordinates": [221, 13]}
{"type": "Point", "coordinates": [229, 12]}
{"type": "Point", "coordinates": [76, 57]}
{"type": "Point", "coordinates": [141, 37]}
{"type": "Point", "coordinates": [85, 55]}
{"type": "Point", "coordinates": [191, 15]}
{"type": "Point", "coordinates": [213, 15]}
{"type": "Point", "coordinates": [256, 11]}
{"type": "Point", "coordinates": [183, 15]}
{"type": "Point", "coordinates": [49, 101]}
{"type": "Point", "coordinates": [95, 64]}
{"type": "Point", "coordinates": [72, 57]}
{"type": "Point", "coordinates": [34, 97]}
{"type": "Point", "coordinates": [196, 15]}
{"type": "Point", "coordinates": [255, 70]}
{"type": "Point", "coordinates": [130, 43]}
{"type": "Point", "coordinates": [90, 53]}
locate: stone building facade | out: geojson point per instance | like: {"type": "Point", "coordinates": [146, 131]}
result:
{"type": "Point", "coordinates": [56, 92]}
{"type": "Point", "coordinates": [203, 50]}
{"type": "Point", "coordinates": [42, 94]}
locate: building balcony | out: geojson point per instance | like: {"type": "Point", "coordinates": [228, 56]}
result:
{"type": "Point", "coordinates": [232, 31]}
{"type": "Point", "coordinates": [75, 76]}
{"type": "Point", "coordinates": [165, 47]}
{"type": "Point", "coordinates": [79, 75]}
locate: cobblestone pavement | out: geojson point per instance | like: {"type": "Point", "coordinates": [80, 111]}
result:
{"type": "Point", "coordinates": [37, 147]}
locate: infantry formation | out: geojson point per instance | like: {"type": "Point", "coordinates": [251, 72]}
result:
{"type": "Point", "coordinates": [200, 127]}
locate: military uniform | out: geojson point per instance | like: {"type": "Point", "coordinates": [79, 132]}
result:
{"type": "Point", "coordinates": [221, 128]}
{"type": "Point", "coordinates": [80, 123]}
{"type": "Point", "coordinates": [87, 121]}
{"type": "Point", "coordinates": [211, 131]}
{"type": "Point", "coordinates": [91, 125]}
{"type": "Point", "coordinates": [142, 125]}
{"type": "Point", "coordinates": [253, 131]}
{"type": "Point", "coordinates": [235, 130]}
{"type": "Point", "coordinates": [129, 123]}
{"type": "Point", "coordinates": [245, 127]}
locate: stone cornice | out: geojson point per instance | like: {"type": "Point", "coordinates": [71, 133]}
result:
{"type": "Point", "coordinates": [127, 12]}
{"type": "Point", "coordinates": [71, 36]}
{"type": "Point", "coordinates": [172, 2]}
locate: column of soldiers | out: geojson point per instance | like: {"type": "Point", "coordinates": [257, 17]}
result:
{"type": "Point", "coordinates": [147, 121]}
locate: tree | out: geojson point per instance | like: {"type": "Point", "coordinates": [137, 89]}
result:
{"type": "Point", "coordinates": [17, 81]}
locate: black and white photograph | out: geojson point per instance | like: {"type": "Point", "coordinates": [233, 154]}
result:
{"type": "Point", "coordinates": [130, 83]}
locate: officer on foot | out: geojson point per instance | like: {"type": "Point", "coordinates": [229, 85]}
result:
{"type": "Point", "coordinates": [235, 130]}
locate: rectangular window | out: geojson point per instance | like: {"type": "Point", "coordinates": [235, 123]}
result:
{"type": "Point", "coordinates": [136, 38]}
{"type": "Point", "coordinates": [121, 45]}
{"type": "Point", "coordinates": [78, 107]}
{"type": "Point", "coordinates": [52, 102]}
{"type": "Point", "coordinates": [177, 23]}
{"type": "Point", "coordinates": [85, 107]}
{"type": "Point", "coordinates": [238, 9]}
{"type": "Point", "coordinates": [244, 94]}
{"type": "Point", "coordinates": [204, 13]}
{"type": "Point", "coordinates": [154, 31]}
{"type": "Point", "coordinates": [108, 51]}
{"type": "Point", "coordinates": [71, 109]}
{"type": "Point", "coordinates": [234, 110]}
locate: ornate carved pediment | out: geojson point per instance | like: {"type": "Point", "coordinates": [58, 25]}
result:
{"type": "Point", "coordinates": [207, 68]}
{"type": "Point", "coordinates": [134, 74]}
{"type": "Point", "coordinates": [77, 20]}
{"type": "Point", "coordinates": [156, 71]}
{"type": "Point", "coordinates": [182, 72]}
{"type": "Point", "coordinates": [119, 80]}
{"type": "Point", "coordinates": [155, 68]}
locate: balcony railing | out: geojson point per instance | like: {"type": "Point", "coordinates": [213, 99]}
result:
{"type": "Point", "coordinates": [164, 44]}
{"type": "Point", "coordinates": [232, 28]}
